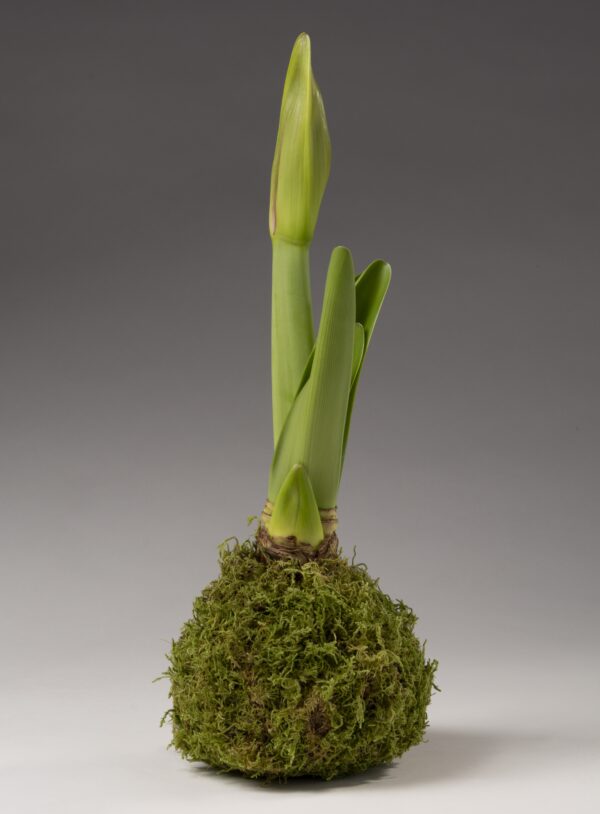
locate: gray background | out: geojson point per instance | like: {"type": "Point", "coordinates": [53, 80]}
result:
{"type": "Point", "coordinates": [136, 141]}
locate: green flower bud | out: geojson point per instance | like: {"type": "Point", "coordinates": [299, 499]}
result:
{"type": "Point", "coordinates": [302, 153]}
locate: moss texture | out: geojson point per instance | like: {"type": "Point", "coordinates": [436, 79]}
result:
{"type": "Point", "coordinates": [287, 670]}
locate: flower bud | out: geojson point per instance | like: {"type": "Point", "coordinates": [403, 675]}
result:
{"type": "Point", "coordinates": [302, 153]}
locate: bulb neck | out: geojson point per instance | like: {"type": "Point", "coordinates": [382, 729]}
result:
{"type": "Point", "coordinates": [289, 548]}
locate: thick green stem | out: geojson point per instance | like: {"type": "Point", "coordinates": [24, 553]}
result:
{"type": "Point", "coordinates": [292, 329]}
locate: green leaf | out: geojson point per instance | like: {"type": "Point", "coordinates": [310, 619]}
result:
{"type": "Point", "coordinates": [313, 433]}
{"type": "Point", "coordinates": [280, 464]}
{"type": "Point", "coordinates": [295, 512]}
{"type": "Point", "coordinates": [358, 350]}
{"type": "Point", "coordinates": [371, 287]}
{"type": "Point", "coordinates": [306, 373]}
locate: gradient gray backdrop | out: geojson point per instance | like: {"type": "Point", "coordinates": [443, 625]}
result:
{"type": "Point", "coordinates": [136, 142]}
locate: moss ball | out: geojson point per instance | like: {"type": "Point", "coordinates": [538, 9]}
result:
{"type": "Point", "coordinates": [287, 670]}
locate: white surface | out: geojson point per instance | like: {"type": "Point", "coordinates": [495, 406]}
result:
{"type": "Point", "coordinates": [502, 738]}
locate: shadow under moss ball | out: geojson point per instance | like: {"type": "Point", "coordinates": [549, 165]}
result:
{"type": "Point", "coordinates": [287, 670]}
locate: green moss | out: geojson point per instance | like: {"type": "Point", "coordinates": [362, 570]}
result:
{"type": "Point", "coordinates": [287, 670]}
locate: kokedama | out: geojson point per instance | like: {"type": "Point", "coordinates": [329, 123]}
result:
{"type": "Point", "coordinates": [295, 662]}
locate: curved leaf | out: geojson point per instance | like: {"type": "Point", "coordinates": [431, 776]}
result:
{"type": "Point", "coordinates": [371, 287]}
